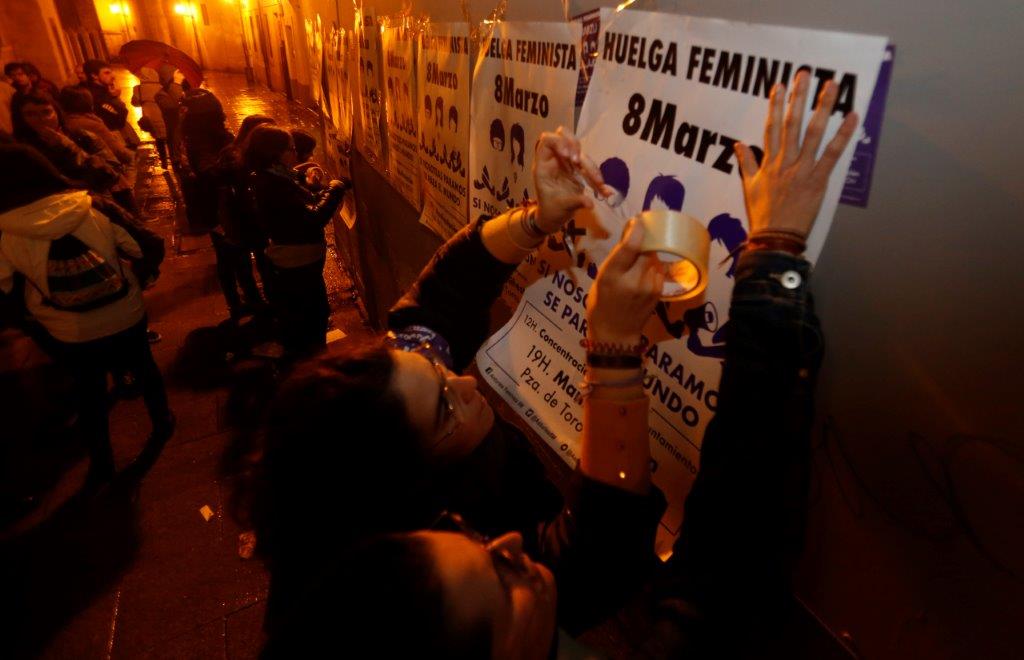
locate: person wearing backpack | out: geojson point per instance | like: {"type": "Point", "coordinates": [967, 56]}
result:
{"type": "Point", "coordinates": [89, 304]}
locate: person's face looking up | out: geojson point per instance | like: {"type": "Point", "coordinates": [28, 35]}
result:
{"type": "Point", "coordinates": [447, 410]}
{"type": "Point", "coordinates": [497, 583]}
{"type": "Point", "coordinates": [40, 118]}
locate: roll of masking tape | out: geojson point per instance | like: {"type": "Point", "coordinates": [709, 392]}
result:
{"type": "Point", "coordinates": [683, 244]}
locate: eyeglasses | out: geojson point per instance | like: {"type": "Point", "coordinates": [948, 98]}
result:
{"type": "Point", "coordinates": [505, 562]}
{"type": "Point", "coordinates": [447, 422]}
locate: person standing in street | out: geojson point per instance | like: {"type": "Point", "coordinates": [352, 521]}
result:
{"type": "Point", "coordinates": [88, 302]}
{"type": "Point", "coordinates": [295, 219]}
{"type": "Point", "coordinates": [107, 103]}
{"type": "Point", "coordinates": [147, 96]}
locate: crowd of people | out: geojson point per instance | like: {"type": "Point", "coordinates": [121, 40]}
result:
{"type": "Point", "coordinates": [75, 255]}
{"type": "Point", "coordinates": [397, 513]}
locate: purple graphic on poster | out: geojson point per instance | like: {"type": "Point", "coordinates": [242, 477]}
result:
{"type": "Point", "coordinates": [858, 179]}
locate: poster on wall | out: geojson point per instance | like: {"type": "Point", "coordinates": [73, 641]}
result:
{"type": "Point", "coordinates": [524, 84]}
{"type": "Point", "coordinates": [442, 83]}
{"type": "Point", "coordinates": [371, 98]}
{"type": "Point", "coordinates": [338, 103]}
{"type": "Point", "coordinates": [590, 27]}
{"type": "Point", "coordinates": [314, 43]}
{"type": "Point", "coordinates": [400, 110]}
{"type": "Point", "coordinates": [341, 138]}
{"type": "Point", "coordinates": [670, 96]}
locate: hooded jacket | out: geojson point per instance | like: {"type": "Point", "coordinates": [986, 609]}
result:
{"type": "Point", "coordinates": [146, 96]}
{"type": "Point", "coordinates": [24, 248]}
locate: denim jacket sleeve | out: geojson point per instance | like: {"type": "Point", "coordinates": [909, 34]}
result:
{"type": "Point", "coordinates": [745, 515]}
{"type": "Point", "coordinates": [454, 293]}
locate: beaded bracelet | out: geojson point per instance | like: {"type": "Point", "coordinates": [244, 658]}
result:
{"type": "Point", "coordinates": [609, 349]}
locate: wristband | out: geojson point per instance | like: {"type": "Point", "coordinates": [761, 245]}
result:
{"type": "Point", "coordinates": [587, 386]}
{"type": "Point", "coordinates": [778, 244]}
{"type": "Point", "coordinates": [783, 240]}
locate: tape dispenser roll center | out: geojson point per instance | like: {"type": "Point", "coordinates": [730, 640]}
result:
{"type": "Point", "coordinates": [683, 244]}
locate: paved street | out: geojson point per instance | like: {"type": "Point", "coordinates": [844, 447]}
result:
{"type": "Point", "coordinates": [142, 572]}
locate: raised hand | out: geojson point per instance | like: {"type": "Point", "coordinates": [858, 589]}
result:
{"type": "Point", "coordinates": [556, 166]}
{"type": "Point", "coordinates": [785, 193]}
{"type": "Point", "coordinates": [626, 290]}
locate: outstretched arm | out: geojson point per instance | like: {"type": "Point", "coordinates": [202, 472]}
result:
{"type": "Point", "coordinates": [744, 517]}
{"type": "Point", "coordinates": [454, 293]}
{"type": "Point", "coordinates": [601, 546]}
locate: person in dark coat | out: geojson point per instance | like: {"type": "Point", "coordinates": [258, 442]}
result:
{"type": "Point", "coordinates": [294, 219]}
{"type": "Point", "coordinates": [204, 135]}
{"type": "Point", "coordinates": [170, 106]}
{"type": "Point", "coordinates": [405, 405]}
{"type": "Point", "coordinates": [108, 106]}
{"type": "Point", "coordinates": [465, 459]}
{"type": "Point", "coordinates": [456, 593]}
{"type": "Point", "coordinates": [240, 235]}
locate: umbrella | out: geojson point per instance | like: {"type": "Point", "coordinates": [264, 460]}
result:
{"type": "Point", "coordinates": [144, 52]}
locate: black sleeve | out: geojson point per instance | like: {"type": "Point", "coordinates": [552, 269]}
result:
{"type": "Point", "coordinates": [454, 293]}
{"type": "Point", "coordinates": [111, 110]}
{"type": "Point", "coordinates": [320, 207]}
{"type": "Point", "coordinates": [601, 550]}
{"type": "Point", "coordinates": [744, 517]}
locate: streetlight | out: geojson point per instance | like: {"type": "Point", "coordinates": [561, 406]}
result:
{"type": "Point", "coordinates": [189, 9]}
{"type": "Point", "coordinates": [123, 10]}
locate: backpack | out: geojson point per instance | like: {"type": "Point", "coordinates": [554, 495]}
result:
{"type": "Point", "coordinates": [79, 278]}
{"type": "Point", "coordinates": [146, 269]}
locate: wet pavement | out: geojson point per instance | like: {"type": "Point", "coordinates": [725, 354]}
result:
{"type": "Point", "coordinates": [141, 572]}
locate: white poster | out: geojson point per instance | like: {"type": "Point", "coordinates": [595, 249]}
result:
{"type": "Point", "coordinates": [443, 81]}
{"type": "Point", "coordinates": [315, 43]}
{"type": "Point", "coordinates": [400, 94]}
{"type": "Point", "coordinates": [371, 99]}
{"type": "Point", "coordinates": [524, 84]}
{"type": "Point", "coordinates": [669, 97]}
{"type": "Point", "coordinates": [338, 102]}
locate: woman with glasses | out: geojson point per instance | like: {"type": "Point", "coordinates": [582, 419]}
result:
{"type": "Point", "coordinates": [458, 591]}
{"type": "Point", "coordinates": [382, 435]}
